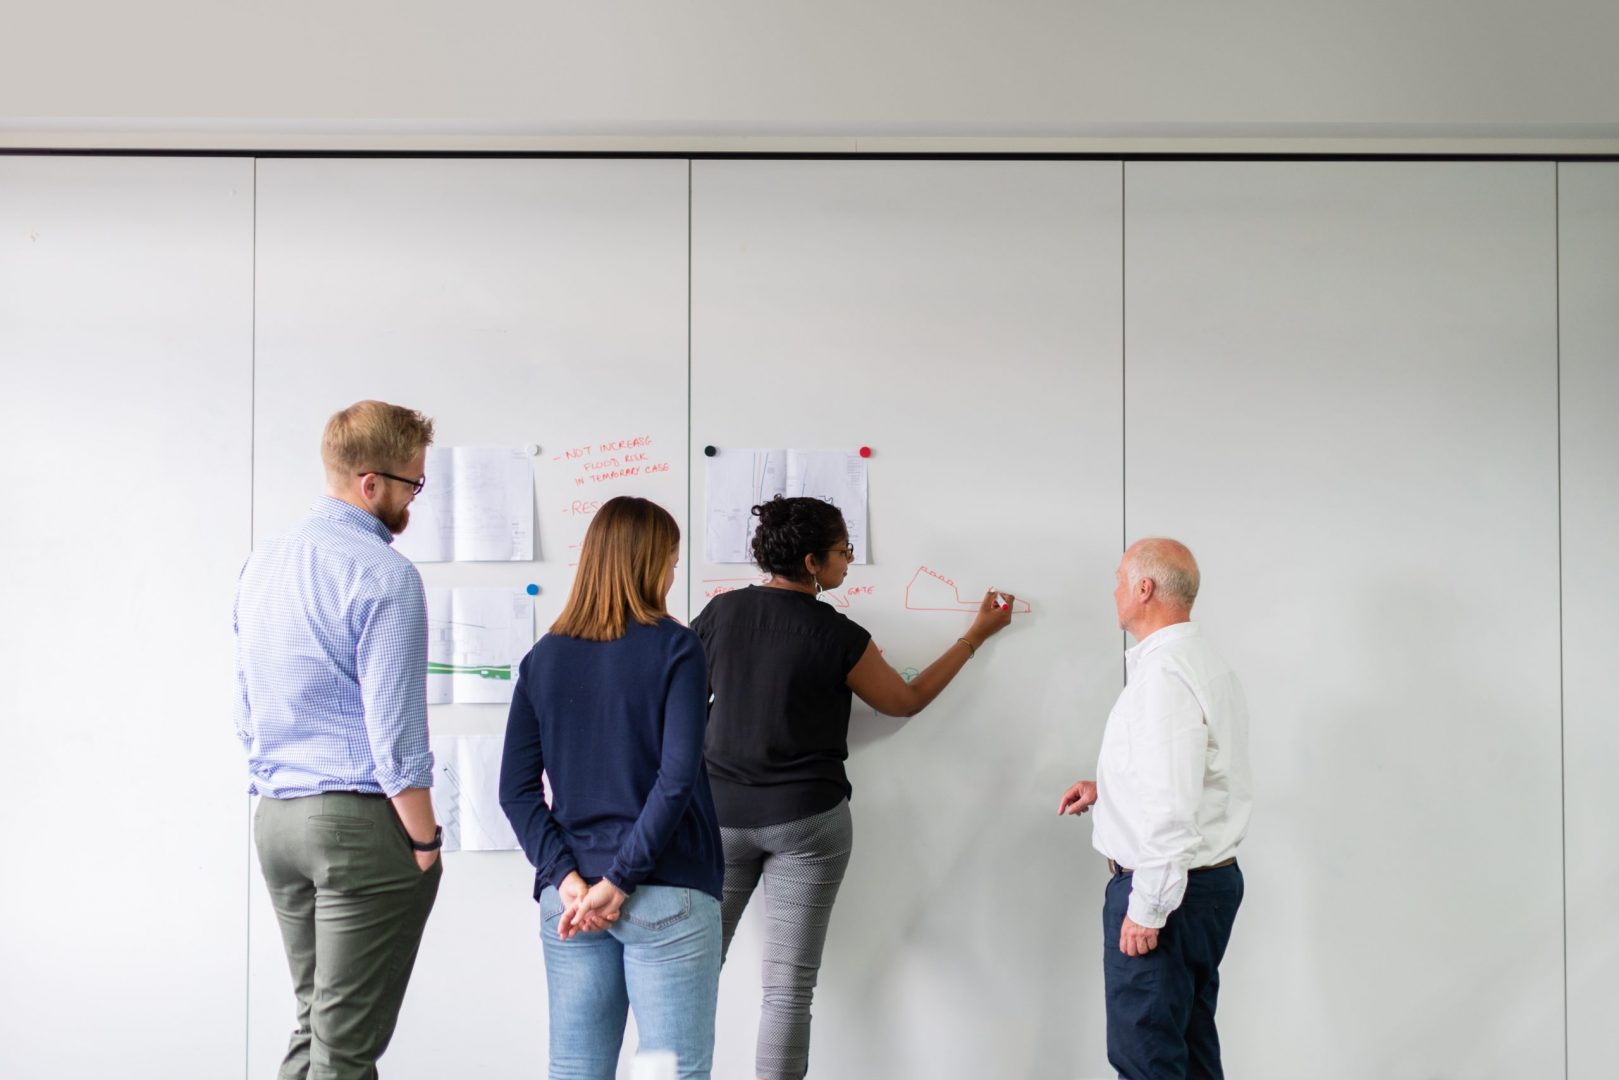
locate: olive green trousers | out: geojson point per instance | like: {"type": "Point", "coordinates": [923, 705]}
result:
{"type": "Point", "coordinates": [352, 903]}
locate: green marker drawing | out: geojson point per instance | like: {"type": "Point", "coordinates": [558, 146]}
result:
{"type": "Point", "coordinates": [503, 671]}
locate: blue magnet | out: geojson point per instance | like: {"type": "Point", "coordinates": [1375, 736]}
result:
{"type": "Point", "coordinates": [533, 590]}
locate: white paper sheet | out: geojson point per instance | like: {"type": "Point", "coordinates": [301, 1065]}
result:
{"type": "Point", "coordinates": [478, 506]}
{"type": "Point", "coordinates": [840, 479]}
{"type": "Point", "coordinates": [739, 479]}
{"type": "Point", "coordinates": [476, 638]}
{"type": "Point", "coordinates": [440, 645]}
{"type": "Point", "coordinates": [466, 793]}
{"type": "Point", "coordinates": [430, 536]}
{"type": "Point", "coordinates": [494, 505]}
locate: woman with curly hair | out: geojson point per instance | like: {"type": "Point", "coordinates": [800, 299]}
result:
{"type": "Point", "coordinates": [783, 668]}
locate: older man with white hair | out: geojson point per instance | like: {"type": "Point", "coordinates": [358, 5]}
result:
{"type": "Point", "coordinates": [1172, 796]}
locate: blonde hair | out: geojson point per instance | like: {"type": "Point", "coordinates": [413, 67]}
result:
{"type": "Point", "coordinates": [621, 566]}
{"type": "Point", "coordinates": [372, 435]}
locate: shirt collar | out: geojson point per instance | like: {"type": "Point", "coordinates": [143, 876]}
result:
{"type": "Point", "coordinates": [338, 510]}
{"type": "Point", "coordinates": [1164, 636]}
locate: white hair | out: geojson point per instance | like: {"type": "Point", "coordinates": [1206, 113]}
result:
{"type": "Point", "coordinates": [1169, 565]}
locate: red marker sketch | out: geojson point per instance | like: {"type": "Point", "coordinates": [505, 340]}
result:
{"type": "Point", "coordinates": [930, 590]}
{"type": "Point", "coordinates": [713, 586]}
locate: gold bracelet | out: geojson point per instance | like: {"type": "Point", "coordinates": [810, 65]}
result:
{"type": "Point", "coordinates": [971, 650]}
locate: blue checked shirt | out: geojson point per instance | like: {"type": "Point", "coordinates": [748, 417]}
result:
{"type": "Point", "coordinates": [331, 660]}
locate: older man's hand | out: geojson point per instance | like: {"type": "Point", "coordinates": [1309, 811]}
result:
{"type": "Point", "coordinates": [1135, 939]}
{"type": "Point", "coordinates": [1079, 798]}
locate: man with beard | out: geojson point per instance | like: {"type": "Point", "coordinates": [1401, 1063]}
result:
{"type": "Point", "coordinates": [331, 671]}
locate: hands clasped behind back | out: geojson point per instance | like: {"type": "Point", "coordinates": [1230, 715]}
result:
{"type": "Point", "coordinates": [587, 908]}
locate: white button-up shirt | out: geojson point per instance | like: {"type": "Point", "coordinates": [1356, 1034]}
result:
{"type": "Point", "coordinates": [1174, 790]}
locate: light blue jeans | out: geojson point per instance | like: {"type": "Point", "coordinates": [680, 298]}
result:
{"type": "Point", "coordinates": [662, 959]}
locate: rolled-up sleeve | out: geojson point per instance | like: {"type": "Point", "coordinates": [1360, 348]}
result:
{"type": "Point", "coordinates": [391, 663]}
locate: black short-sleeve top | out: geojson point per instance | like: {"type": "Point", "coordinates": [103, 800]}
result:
{"type": "Point", "coordinates": [778, 725]}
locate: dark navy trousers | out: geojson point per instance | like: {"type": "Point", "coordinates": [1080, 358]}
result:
{"type": "Point", "coordinates": [1160, 1007]}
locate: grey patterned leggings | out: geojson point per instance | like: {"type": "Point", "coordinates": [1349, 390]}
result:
{"type": "Point", "coordinates": [802, 863]}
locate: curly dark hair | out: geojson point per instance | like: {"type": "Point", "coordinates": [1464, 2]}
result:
{"type": "Point", "coordinates": [790, 529]}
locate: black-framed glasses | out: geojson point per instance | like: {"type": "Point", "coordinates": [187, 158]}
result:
{"type": "Point", "coordinates": [415, 485]}
{"type": "Point", "coordinates": [847, 551]}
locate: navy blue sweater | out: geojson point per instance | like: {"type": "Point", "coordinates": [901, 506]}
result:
{"type": "Point", "coordinates": [618, 728]}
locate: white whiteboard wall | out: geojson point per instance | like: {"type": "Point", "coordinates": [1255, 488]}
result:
{"type": "Point", "coordinates": [125, 435]}
{"type": "Point", "coordinates": [517, 302]}
{"type": "Point", "coordinates": [964, 322]}
{"type": "Point", "coordinates": [1342, 393]}
{"type": "Point", "coordinates": [1340, 387]}
{"type": "Point", "coordinates": [1589, 303]}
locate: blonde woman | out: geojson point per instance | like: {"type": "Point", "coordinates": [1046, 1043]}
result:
{"type": "Point", "coordinates": [612, 706]}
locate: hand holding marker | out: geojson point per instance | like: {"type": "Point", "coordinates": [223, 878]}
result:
{"type": "Point", "coordinates": [994, 615]}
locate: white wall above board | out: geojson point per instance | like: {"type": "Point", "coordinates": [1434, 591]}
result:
{"type": "Point", "coordinates": [1338, 381]}
{"type": "Point", "coordinates": [648, 69]}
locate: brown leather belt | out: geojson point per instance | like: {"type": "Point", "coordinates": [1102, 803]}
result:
{"type": "Point", "coordinates": [1115, 868]}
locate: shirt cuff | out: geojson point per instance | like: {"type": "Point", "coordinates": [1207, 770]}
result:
{"type": "Point", "coordinates": [394, 778]}
{"type": "Point", "coordinates": [616, 878]}
{"type": "Point", "coordinates": [1144, 914]}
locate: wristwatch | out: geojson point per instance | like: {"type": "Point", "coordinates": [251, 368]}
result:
{"type": "Point", "coordinates": [432, 845]}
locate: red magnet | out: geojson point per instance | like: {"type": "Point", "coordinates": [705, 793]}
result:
{"type": "Point", "coordinates": [865, 451]}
